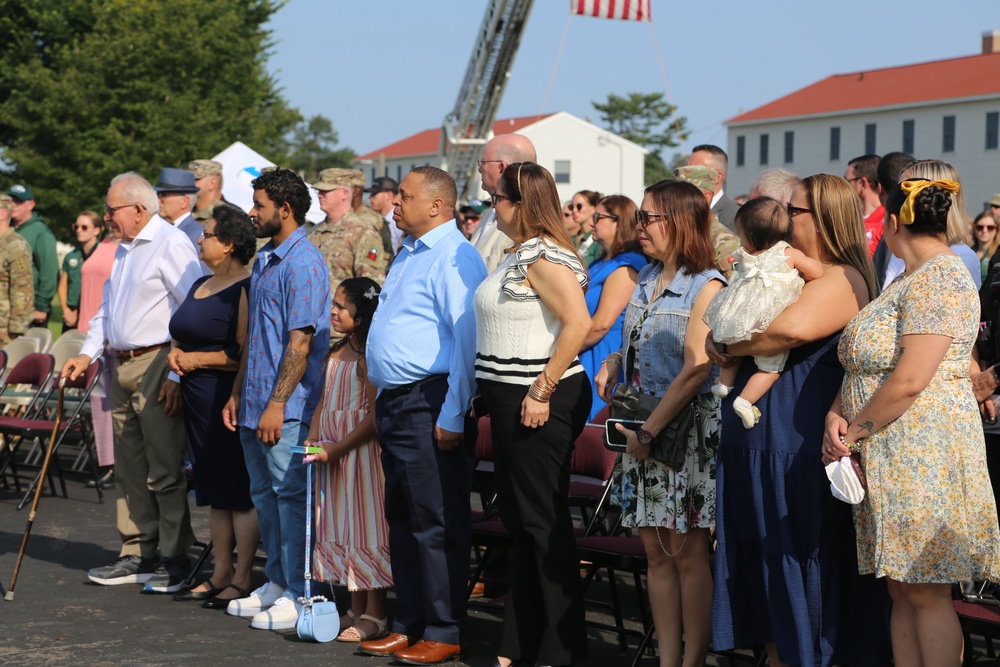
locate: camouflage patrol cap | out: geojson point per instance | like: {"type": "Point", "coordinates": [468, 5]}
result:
{"type": "Point", "coordinates": [203, 168]}
{"type": "Point", "coordinates": [331, 179]}
{"type": "Point", "coordinates": [6, 202]}
{"type": "Point", "coordinates": [701, 177]}
{"type": "Point", "coordinates": [996, 200]}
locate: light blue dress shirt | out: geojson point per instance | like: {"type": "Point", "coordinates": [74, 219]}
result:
{"type": "Point", "coordinates": [425, 323]}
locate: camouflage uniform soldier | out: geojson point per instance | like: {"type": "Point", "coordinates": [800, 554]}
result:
{"type": "Point", "coordinates": [724, 241]}
{"type": "Point", "coordinates": [208, 180]}
{"type": "Point", "coordinates": [17, 287]}
{"type": "Point", "coordinates": [351, 245]}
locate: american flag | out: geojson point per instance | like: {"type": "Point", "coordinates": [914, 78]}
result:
{"type": "Point", "coordinates": [627, 10]}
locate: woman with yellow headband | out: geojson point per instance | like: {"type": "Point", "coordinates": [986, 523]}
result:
{"type": "Point", "coordinates": [531, 321]}
{"type": "Point", "coordinates": [906, 403]}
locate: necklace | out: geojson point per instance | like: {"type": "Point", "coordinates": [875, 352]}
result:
{"type": "Point", "coordinates": [924, 257]}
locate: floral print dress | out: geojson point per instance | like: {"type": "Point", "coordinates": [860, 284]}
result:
{"type": "Point", "coordinates": [930, 514]}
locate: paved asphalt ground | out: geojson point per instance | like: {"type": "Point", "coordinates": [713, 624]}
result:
{"type": "Point", "coordinates": [57, 617]}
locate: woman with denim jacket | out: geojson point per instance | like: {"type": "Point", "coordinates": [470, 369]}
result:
{"type": "Point", "coordinates": [664, 341]}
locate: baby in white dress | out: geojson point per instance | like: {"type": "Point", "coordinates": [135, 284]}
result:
{"type": "Point", "coordinates": [768, 275]}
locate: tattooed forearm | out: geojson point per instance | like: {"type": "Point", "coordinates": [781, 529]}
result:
{"type": "Point", "coordinates": [293, 366]}
{"type": "Point", "coordinates": [866, 426]}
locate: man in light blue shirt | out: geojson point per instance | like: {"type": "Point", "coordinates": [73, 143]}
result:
{"type": "Point", "coordinates": [421, 353]}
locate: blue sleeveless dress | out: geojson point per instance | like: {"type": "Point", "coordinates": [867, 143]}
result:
{"type": "Point", "coordinates": [612, 342]}
{"type": "Point", "coordinates": [786, 562]}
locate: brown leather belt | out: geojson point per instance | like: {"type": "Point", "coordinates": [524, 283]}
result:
{"type": "Point", "coordinates": [126, 355]}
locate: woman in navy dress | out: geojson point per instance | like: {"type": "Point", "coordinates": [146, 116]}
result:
{"type": "Point", "coordinates": [786, 567]}
{"type": "Point", "coordinates": [612, 280]}
{"type": "Point", "coordinates": [208, 332]}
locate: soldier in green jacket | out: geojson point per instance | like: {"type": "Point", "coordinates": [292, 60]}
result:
{"type": "Point", "coordinates": [17, 291]}
{"type": "Point", "coordinates": [45, 263]}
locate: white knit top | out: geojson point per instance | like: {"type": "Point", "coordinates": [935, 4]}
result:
{"type": "Point", "coordinates": [515, 331]}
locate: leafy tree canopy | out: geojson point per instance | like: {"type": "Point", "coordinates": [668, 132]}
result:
{"type": "Point", "coordinates": [314, 148]}
{"type": "Point", "coordinates": [648, 120]}
{"type": "Point", "coordinates": [92, 88]}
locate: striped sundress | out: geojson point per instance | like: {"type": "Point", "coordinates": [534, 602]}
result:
{"type": "Point", "coordinates": [352, 537]}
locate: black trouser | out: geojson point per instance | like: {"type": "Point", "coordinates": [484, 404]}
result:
{"type": "Point", "coordinates": [428, 509]}
{"type": "Point", "coordinates": [543, 613]}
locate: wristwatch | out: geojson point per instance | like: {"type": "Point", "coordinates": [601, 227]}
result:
{"type": "Point", "coordinates": [645, 437]}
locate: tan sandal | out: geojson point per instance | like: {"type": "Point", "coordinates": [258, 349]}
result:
{"type": "Point", "coordinates": [352, 617]}
{"type": "Point", "coordinates": [354, 635]}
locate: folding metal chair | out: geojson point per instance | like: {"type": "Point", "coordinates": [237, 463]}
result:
{"type": "Point", "coordinates": [74, 425]}
{"type": "Point", "coordinates": [34, 370]}
{"type": "Point", "coordinates": [19, 348]}
{"type": "Point", "coordinates": [42, 334]}
{"type": "Point", "coordinates": [65, 348]}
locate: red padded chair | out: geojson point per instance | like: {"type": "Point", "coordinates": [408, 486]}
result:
{"type": "Point", "coordinates": [34, 370]}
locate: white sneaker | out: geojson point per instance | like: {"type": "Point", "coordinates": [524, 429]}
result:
{"type": "Point", "coordinates": [721, 390]}
{"type": "Point", "coordinates": [747, 412]}
{"type": "Point", "coordinates": [258, 601]}
{"type": "Point", "coordinates": [281, 616]}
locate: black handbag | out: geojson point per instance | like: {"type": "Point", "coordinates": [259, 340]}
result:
{"type": "Point", "coordinates": [670, 446]}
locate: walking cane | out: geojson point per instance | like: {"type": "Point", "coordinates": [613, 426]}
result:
{"type": "Point", "coordinates": [38, 490]}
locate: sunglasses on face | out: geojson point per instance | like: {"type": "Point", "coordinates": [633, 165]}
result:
{"type": "Point", "coordinates": [598, 216]}
{"type": "Point", "coordinates": [577, 207]}
{"type": "Point", "coordinates": [796, 210]}
{"type": "Point", "coordinates": [982, 228]}
{"type": "Point", "coordinates": [81, 228]}
{"type": "Point", "coordinates": [643, 218]}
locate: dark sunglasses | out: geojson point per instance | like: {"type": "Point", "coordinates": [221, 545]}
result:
{"type": "Point", "coordinates": [643, 218]}
{"type": "Point", "coordinates": [81, 228]}
{"type": "Point", "coordinates": [578, 207]}
{"type": "Point", "coordinates": [597, 217]}
{"type": "Point", "coordinates": [985, 227]}
{"type": "Point", "coordinates": [496, 197]}
{"type": "Point", "coordinates": [796, 210]}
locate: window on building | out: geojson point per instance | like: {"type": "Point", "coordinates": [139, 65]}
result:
{"type": "Point", "coordinates": [741, 147]}
{"type": "Point", "coordinates": [561, 173]}
{"type": "Point", "coordinates": [908, 126]}
{"type": "Point", "coordinates": [399, 172]}
{"type": "Point", "coordinates": [763, 148]}
{"type": "Point", "coordinates": [870, 139]}
{"type": "Point", "coordinates": [373, 174]}
{"type": "Point", "coordinates": [834, 143]}
{"type": "Point", "coordinates": [948, 135]}
{"type": "Point", "coordinates": [993, 129]}
{"type": "Point", "coordinates": [789, 147]}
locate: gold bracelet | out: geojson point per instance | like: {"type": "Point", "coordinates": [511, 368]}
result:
{"type": "Point", "coordinates": [552, 382]}
{"type": "Point", "coordinates": [609, 360]}
{"type": "Point", "coordinates": [539, 392]}
{"type": "Point", "coordinates": [852, 447]}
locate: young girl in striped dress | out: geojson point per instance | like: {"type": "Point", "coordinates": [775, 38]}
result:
{"type": "Point", "coordinates": [352, 537]}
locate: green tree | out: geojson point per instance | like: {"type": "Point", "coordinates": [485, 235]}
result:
{"type": "Point", "coordinates": [648, 120]}
{"type": "Point", "coordinates": [92, 88]}
{"type": "Point", "coordinates": [314, 148]}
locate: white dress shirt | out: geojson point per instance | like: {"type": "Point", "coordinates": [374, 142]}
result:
{"type": "Point", "coordinates": [395, 233]}
{"type": "Point", "coordinates": [490, 241]}
{"type": "Point", "coordinates": [150, 277]}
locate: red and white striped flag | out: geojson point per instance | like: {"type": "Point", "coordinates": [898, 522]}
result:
{"type": "Point", "coordinates": [627, 10]}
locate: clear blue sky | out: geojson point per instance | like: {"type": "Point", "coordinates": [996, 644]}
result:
{"type": "Point", "coordinates": [384, 69]}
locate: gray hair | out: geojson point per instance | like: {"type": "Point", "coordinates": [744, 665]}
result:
{"type": "Point", "coordinates": [776, 183]}
{"type": "Point", "coordinates": [138, 190]}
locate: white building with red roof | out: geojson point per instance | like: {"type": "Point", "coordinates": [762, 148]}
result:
{"type": "Point", "coordinates": [580, 155]}
{"type": "Point", "coordinates": [946, 109]}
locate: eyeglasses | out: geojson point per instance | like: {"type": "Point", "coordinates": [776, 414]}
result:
{"type": "Point", "coordinates": [482, 162]}
{"type": "Point", "coordinates": [111, 210]}
{"type": "Point", "coordinates": [796, 210]}
{"type": "Point", "coordinates": [597, 217]}
{"type": "Point", "coordinates": [994, 205]}
{"type": "Point", "coordinates": [856, 178]}
{"type": "Point", "coordinates": [496, 197]}
{"type": "Point", "coordinates": [643, 218]}
{"type": "Point", "coordinates": [567, 214]}
{"type": "Point", "coordinates": [578, 207]}
{"type": "Point", "coordinates": [208, 235]}
{"type": "Point", "coordinates": [82, 228]}
{"type": "Point", "coordinates": [980, 228]}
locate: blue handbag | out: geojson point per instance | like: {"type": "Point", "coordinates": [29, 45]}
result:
{"type": "Point", "coordinates": [319, 619]}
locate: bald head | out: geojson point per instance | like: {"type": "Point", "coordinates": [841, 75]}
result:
{"type": "Point", "coordinates": [501, 151]}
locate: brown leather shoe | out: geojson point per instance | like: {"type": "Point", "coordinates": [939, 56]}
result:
{"type": "Point", "coordinates": [387, 645]}
{"type": "Point", "coordinates": [426, 652]}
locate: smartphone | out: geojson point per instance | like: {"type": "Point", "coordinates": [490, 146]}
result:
{"type": "Point", "coordinates": [303, 449]}
{"type": "Point", "coordinates": [615, 439]}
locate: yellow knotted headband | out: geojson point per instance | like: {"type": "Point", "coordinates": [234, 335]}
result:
{"type": "Point", "coordinates": [911, 188]}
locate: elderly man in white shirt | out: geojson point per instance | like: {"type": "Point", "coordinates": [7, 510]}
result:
{"type": "Point", "coordinates": [154, 268]}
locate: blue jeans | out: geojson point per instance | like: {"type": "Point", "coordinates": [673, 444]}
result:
{"type": "Point", "coordinates": [278, 489]}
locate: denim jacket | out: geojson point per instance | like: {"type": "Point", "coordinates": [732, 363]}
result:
{"type": "Point", "coordinates": [660, 350]}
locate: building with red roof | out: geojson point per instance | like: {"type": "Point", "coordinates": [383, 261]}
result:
{"type": "Point", "coordinates": [579, 154]}
{"type": "Point", "coordinates": [945, 109]}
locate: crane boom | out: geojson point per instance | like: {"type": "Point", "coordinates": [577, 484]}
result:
{"type": "Point", "coordinates": [470, 124]}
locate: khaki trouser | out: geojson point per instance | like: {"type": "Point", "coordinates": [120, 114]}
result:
{"type": "Point", "coordinates": [149, 455]}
